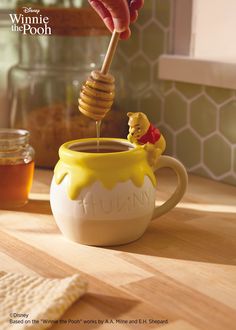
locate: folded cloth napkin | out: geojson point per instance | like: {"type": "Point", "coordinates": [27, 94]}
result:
{"type": "Point", "coordinates": [35, 302]}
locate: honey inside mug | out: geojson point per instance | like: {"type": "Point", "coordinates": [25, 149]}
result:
{"type": "Point", "coordinates": [108, 197]}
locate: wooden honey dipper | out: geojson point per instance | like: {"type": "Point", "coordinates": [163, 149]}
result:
{"type": "Point", "coordinates": [98, 92]}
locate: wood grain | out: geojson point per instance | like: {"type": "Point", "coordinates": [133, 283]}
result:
{"type": "Point", "coordinates": [110, 52]}
{"type": "Point", "coordinates": [182, 269]}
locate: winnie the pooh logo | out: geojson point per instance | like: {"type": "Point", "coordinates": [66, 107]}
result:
{"type": "Point", "coordinates": [142, 132]}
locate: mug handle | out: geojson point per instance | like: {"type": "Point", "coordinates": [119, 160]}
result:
{"type": "Point", "coordinates": [180, 171]}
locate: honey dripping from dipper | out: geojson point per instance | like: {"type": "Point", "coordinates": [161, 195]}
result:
{"type": "Point", "coordinates": [96, 98]}
{"type": "Point", "coordinates": [98, 92]}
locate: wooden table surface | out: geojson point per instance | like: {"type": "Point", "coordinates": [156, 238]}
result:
{"type": "Point", "coordinates": [182, 271]}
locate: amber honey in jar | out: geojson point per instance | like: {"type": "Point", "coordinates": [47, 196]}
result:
{"type": "Point", "coordinates": [45, 84]}
{"type": "Point", "coordinates": [16, 167]}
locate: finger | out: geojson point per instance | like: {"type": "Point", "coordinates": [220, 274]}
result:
{"type": "Point", "coordinates": [126, 34]}
{"type": "Point", "coordinates": [118, 10]}
{"type": "Point", "coordinates": [109, 23]}
{"type": "Point", "coordinates": [103, 13]}
{"type": "Point", "coordinates": [133, 16]}
{"type": "Point", "coordinates": [136, 4]}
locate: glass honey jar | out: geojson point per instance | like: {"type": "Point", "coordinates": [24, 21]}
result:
{"type": "Point", "coordinates": [16, 167]}
{"type": "Point", "coordinates": [44, 86]}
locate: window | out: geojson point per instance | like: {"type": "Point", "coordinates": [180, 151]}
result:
{"type": "Point", "coordinates": [203, 48]}
{"type": "Point", "coordinates": [213, 30]}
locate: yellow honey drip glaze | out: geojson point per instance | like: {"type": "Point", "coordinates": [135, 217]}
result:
{"type": "Point", "coordinates": [85, 168]}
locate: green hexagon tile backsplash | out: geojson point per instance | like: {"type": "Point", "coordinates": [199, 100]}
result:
{"type": "Point", "coordinates": [198, 122]}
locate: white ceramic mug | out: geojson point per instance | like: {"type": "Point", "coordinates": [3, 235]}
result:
{"type": "Point", "coordinates": [108, 198]}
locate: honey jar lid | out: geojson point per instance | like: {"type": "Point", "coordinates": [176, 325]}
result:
{"type": "Point", "coordinates": [68, 21]}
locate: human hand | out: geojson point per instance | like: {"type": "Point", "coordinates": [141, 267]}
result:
{"type": "Point", "coordinates": [118, 14]}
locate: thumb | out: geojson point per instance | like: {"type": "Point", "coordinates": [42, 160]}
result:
{"type": "Point", "coordinates": [116, 11]}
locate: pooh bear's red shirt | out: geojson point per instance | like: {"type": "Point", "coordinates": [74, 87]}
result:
{"type": "Point", "coordinates": [152, 135]}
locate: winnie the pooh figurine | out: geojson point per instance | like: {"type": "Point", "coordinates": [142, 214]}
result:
{"type": "Point", "coordinates": [142, 132]}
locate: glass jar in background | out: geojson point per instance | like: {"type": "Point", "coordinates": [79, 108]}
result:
{"type": "Point", "coordinates": [45, 85]}
{"type": "Point", "coordinates": [8, 56]}
{"type": "Point", "coordinates": [16, 167]}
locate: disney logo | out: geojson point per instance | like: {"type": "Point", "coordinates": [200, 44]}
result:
{"type": "Point", "coordinates": [30, 10]}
